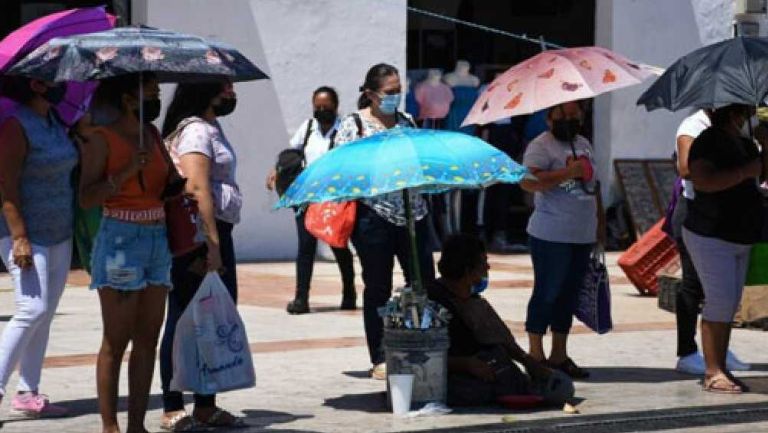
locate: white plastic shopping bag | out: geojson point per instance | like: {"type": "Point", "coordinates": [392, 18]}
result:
{"type": "Point", "coordinates": [210, 349]}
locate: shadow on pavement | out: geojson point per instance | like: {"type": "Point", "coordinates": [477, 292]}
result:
{"type": "Point", "coordinates": [324, 309]}
{"type": "Point", "coordinates": [89, 406]}
{"type": "Point", "coordinates": [372, 402]}
{"type": "Point", "coordinates": [759, 367]}
{"type": "Point", "coordinates": [5, 318]}
{"type": "Point", "coordinates": [361, 374]}
{"type": "Point", "coordinates": [635, 375]}
{"type": "Point", "coordinates": [262, 420]}
{"type": "Point", "coordinates": [625, 422]}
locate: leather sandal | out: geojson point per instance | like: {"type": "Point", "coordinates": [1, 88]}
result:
{"type": "Point", "coordinates": [182, 422]}
{"type": "Point", "coordinates": [721, 384]}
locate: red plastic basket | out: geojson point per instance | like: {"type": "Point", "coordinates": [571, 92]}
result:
{"type": "Point", "coordinates": [646, 257]}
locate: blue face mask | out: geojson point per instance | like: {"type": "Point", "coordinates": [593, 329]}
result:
{"type": "Point", "coordinates": [389, 103]}
{"type": "Point", "coordinates": [480, 287]}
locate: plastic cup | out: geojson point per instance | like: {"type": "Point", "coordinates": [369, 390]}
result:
{"type": "Point", "coordinates": [400, 389]}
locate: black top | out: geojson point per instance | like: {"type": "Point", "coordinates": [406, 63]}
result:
{"type": "Point", "coordinates": [463, 342]}
{"type": "Point", "coordinates": [734, 214]}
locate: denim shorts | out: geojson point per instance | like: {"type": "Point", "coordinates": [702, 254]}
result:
{"type": "Point", "coordinates": [129, 256]}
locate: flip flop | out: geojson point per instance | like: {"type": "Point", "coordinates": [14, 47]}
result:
{"type": "Point", "coordinates": [720, 384]}
{"type": "Point", "coordinates": [183, 422]}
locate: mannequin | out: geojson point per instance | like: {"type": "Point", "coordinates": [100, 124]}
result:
{"type": "Point", "coordinates": [464, 86]}
{"type": "Point", "coordinates": [434, 99]}
{"type": "Point", "coordinates": [461, 76]}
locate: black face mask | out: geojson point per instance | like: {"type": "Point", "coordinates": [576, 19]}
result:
{"type": "Point", "coordinates": [225, 107]}
{"type": "Point", "coordinates": [325, 116]}
{"type": "Point", "coordinates": [54, 95]}
{"type": "Point", "coordinates": [151, 110]}
{"type": "Point", "coordinates": [566, 129]}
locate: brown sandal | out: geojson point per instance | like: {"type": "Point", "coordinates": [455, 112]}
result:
{"type": "Point", "coordinates": [721, 384]}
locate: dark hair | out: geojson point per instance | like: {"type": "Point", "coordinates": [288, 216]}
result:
{"type": "Point", "coordinates": [461, 254]}
{"type": "Point", "coordinates": [330, 91]}
{"type": "Point", "coordinates": [373, 80]}
{"type": "Point", "coordinates": [111, 90]}
{"type": "Point", "coordinates": [190, 99]}
{"type": "Point", "coordinates": [721, 116]}
{"type": "Point", "coordinates": [562, 105]}
{"type": "Point", "coordinates": [17, 88]}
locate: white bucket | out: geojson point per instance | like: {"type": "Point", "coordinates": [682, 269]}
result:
{"type": "Point", "coordinates": [400, 388]}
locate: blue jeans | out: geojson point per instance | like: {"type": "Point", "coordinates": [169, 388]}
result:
{"type": "Point", "coordinates": [185, 285]}
{"type": "Point", "coordinates": [378, 242]}
{"type": "Point", "coordinates": [558, 272]}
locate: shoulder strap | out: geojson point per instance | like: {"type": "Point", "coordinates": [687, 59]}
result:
{"type": "Point", "coordinates": [332, 144]}
{"type": "Point", "coordinates": [359, 123]}
{"type": "Point", "coordinates": [163, 150]}
{"type": "Point", "coordinates": [401, 116]}
{"type": "Point", "coordinates": [306, 135]}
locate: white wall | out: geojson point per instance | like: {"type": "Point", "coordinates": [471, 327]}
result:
{"type": "Point", "coordinates": [655, 32]}
{"type": "Point", "coordinates": [301, 44]}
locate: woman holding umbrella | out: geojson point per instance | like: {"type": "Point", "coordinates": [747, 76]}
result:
{"type": "Point", "coordinates": [724, 220]}
{"type": "Point", "coordinates": [36, 227]}
{"type": "Point", "coordinates": [562, 230]}
{"type": "Point", "coordinates": [131, 262]}
{"type": "Point", "coordinates": [380, 232]}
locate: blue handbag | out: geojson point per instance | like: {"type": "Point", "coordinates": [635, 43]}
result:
{"type": "Point", "coordinates": [593, 306]}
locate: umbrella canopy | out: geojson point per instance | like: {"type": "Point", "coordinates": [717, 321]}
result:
{"type": "Point", "coordinates": [734, 71]}
{"type": "Point", "coordinates": [40, 31]}
{"type": "Point", "coordinates": [171, 56]}
{"type": "Point", "coordinates": [64, 23]}
{"type": "Point", "coordinates": [553, 77]}
{"type": "Point", "coordinates": [402, 158]}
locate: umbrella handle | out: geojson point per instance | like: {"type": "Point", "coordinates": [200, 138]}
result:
{"type": "Point", "coordinates": [581, 181]}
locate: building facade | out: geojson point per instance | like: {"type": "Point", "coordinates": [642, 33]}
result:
{"type": "Point", "coordinates": [303, 44]}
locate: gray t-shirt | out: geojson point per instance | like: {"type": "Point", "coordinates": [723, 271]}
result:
{"type": "Point", "coordinates": [564, 213]}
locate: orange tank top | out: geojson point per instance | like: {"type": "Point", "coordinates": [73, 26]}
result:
{"type": "Point", "coordinates": [130, 195]}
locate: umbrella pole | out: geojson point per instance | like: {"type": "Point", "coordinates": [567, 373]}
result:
{"type": "Point", "coordinates": [416, 282]}
{"type": "Point", "coordinates": [141, 125]}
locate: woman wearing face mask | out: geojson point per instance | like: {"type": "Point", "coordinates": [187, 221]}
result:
{"type": "Point", "coordinates": [202, 154]}
{"type": "Point", "coordinates": [483, 352]}
{"type": "Point", "coordinates": [316, 137]}
{"type": "Point", "coordinates": [562, 231]}
{"type": "Point", "coordinates": [380, 234]}
{"type": "Point", "coordinates": [36, 228]}
{"type": "Point", "coordinates": [724, 219]}
{"type": "Point", "coordinates": [131, 263]}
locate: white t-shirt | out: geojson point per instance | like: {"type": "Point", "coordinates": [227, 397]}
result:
{"type": "Point", "coordinates": [207, 138]}
{"type": "Point", "coordinates": [317, 144]}
{"type": "Point", "coordinates": [692, 126]}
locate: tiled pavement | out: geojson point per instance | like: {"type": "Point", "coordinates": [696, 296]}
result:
{"type": "Point", "coordinates": [311, 368]}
